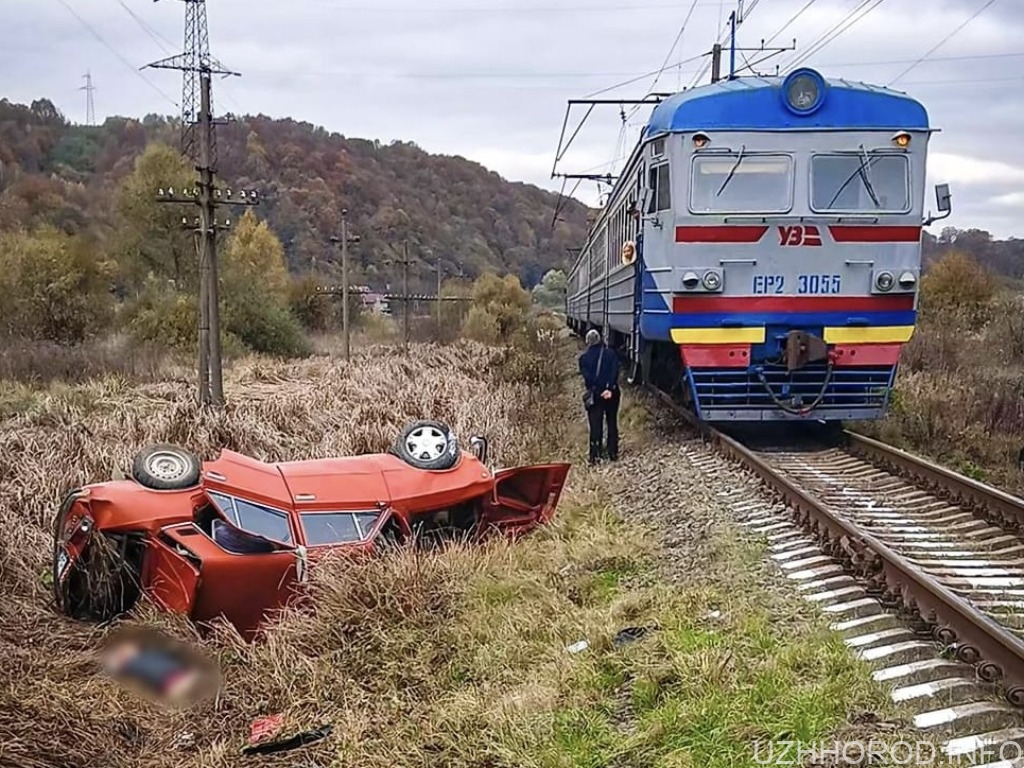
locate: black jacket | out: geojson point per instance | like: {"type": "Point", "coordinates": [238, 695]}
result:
{"type": "Point", "coordinates": [605, 378]}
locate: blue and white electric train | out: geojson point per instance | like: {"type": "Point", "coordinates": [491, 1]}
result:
{"type": "Point", "coordinates": [761, 250]}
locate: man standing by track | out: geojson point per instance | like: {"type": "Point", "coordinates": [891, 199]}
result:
{"type": "Point", "coordinates": [599, 366]}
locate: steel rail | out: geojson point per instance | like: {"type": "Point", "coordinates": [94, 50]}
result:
{"type": "Point", "coordinates": [999, 507]}
{"type": "Point", "coordinates": [996, 653]}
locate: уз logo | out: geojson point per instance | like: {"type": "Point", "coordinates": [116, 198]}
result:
{"type": "Point", "coordinates": [799, 234]}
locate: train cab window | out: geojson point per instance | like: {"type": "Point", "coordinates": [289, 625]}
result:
{"type": "Point", "coordinates": [849, 182]}
{"type": "Point", "coordinates": [741, 183]}
{"type": "Point", "coordinates": [661, 189]}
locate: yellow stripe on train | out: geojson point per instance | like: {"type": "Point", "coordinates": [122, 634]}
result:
{"type": "Point", "coordinates": [878, 334]}
{"type": "Point", "coordinates": [718, 335]}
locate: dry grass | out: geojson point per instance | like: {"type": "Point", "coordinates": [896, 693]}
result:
{"type": "Point", "coordinates": [416, 659]}
{"type": "Point", "coordinates": [960, 392]}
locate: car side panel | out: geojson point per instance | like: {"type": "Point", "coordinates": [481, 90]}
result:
{"type": "Point", "coordinates": [124, 505]}
{"type": "Point", "coordinates": [169, 578]}
{"type": "Point", "coordinates": [244, 589]}
{"type": "Point", "coordinates": [413, 490]}
{"type": "Point", "coordinates": [238, 474]}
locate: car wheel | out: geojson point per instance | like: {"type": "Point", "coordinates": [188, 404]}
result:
{"type": "Point", "coordinates": [166, 468]}
{"type": "Point", "coordinates": [428, 445]}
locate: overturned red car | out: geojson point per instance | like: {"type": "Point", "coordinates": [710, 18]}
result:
{"type": "Point", "coordinates": [232, 537]}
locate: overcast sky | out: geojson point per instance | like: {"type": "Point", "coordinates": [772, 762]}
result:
{"type": "Point", "coordinates": [489, 79]}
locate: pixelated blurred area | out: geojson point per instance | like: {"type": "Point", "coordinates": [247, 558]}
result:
{"type": "Point", "coordinates": [158, 667]}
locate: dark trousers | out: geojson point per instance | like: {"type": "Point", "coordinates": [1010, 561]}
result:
{"type": "Point", "coordinates": [604, 410]}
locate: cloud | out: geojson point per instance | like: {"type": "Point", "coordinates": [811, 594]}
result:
{"type": "Point", "coordinates": [489, 79]}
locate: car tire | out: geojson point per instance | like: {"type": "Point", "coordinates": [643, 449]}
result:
{"type": "Point", "coordinates": [164, 467]}
{"type": "Point", "coordinates": [429, 445]}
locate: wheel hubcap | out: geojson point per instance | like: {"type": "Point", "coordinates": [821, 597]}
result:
{"type": "Point", "coordinates": [426, 443]}
{"type": "Point", "coordinates": [167, 466]}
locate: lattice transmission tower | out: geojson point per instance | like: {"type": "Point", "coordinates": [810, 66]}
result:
{"type": "Point", "coordinates": [198, 143]}
{"type": "Point", "coordinates": [194, 62]}
{"type": "Point", "coordinates": [90, 107]}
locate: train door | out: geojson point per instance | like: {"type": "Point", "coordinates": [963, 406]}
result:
{"type": "Point", "coordinates": [635, 235]}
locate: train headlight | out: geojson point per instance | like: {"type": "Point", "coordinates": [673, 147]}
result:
{"type": "Point", "coordinates": [884, 281]}
{"type": "Point", "coordinates": [803, 91]}
{"type": "Point", "coordinates": [712, 281]}
{"type": "Point", "coordinates": [691, 280]}
{"type": "Point", "coordinates": [907, 280]}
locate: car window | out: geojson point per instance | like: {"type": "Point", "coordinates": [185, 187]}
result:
{"type": "Point", "coordinates": [337, 527]}
{"type": "Point", "coordinates": [254, 518]}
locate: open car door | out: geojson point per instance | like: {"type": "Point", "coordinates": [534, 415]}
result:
{"type": "Point", "coordinates": [524, 497]}
{"type": "Point", "coordinates": [188, 572]}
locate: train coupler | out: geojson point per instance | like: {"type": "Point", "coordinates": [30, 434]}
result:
{"type": "Point", "coordinates": [803, 348]}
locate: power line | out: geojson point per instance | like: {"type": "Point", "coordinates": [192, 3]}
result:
{"type": "Point", "coordinates": [836, 31]}
{"type": "Point", "coordinates": [166, 45]}
{"type": "Point", "coordinates": [944, 40]}
{"type": "Point", "coordinates": [671, 50]}
{"type": "Point", "coordinates": [513, 10]}
{"type": "Point", "coordinates": [114, 51]}
{"type": "Point", "coordinates": [792, 18]}
{"type": "Point", "coordinates": [159, 39]}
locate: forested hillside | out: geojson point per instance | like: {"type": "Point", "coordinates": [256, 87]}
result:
{"type": "Point", "coordinates": [1002, 257]}
{"type": "Point", "coordinates": [52, 172]}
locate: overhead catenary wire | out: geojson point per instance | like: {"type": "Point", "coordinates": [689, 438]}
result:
{"type": "Point", "coordinates": [943, 41]}
{"type": "Point", "coordinates": [851, 19]}
{"type": "Point", "coordinates": [792, 19]}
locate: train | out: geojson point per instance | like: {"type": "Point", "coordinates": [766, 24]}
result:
{"type": "Point", "coordinates": [759, 256]}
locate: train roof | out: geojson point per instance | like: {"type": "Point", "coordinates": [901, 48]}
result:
{"type": "Point", "coordinates": [759, 104]}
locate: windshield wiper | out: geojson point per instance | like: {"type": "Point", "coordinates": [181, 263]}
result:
{"type": "Point", "coordinates": [728, 178]}
{"type": "Point", "coordinates": [861, 170]}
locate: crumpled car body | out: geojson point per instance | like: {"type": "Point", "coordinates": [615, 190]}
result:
{"type": "Point", "coordinates": [237, 541]}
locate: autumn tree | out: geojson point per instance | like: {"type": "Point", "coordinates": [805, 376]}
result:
{"type": "Point", "coordinates": [150, 238]}
{"type": "Point", "coordinates": [53, 287]}
{"type": "Point", "coordinates": [958, 285]}
{"type": "Point", "coordinates": [254, 257]}
{"type": "Point", "coordinates": [255, 291]}
{"type": "Point", "coordinates": [550, 291]}
{"type": "Point", "coordinates": [499, 308]}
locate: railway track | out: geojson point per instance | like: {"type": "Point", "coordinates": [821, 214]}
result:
{"type": "Point", "coordinates": [922, 568]}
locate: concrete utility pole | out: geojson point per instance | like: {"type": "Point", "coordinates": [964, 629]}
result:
{"type": "Point", "coordinates": [716, 62]}
{"type": "Point", "coordinates": [198, 68]}
{"type": "Point", "coordinates": [405, 302]}
{"type": "Point", "coordinates": [345, 290]}
{"type": "Point", "coordinates": [438, 268]}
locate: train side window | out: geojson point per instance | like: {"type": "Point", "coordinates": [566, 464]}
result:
{"type": "Point", "coordinates": [661, 189]}
{"type": "Point", "coordinates": [838, 184]}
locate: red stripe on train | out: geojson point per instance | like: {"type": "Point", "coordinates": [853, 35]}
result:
{"type": "Point", "coordinates": [738, 355]}
{"type": "Point", "coordinates": [716, 355]}
{"type": "Point", "coordinates": [715, 234]}
{"type": "Point", "coordinates": [689, 303]}
{"type": "Point", "coordinates": [848, 355]}
{"type": "Point", "coordinates": [861, 234]}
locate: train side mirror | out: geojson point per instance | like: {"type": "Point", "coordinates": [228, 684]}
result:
{"type": "Point", "coordinates": [943, 202]}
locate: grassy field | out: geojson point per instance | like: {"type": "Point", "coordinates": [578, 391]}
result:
{"type": "Point", "coordinates": [457, 658]}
